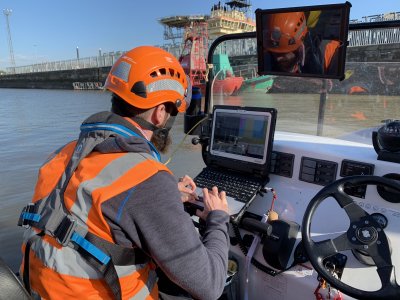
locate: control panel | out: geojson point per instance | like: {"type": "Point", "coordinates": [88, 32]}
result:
{"type": "Point", "coordinates": [282, 164]}
{"type": "Point", "coordinates": [317, 171]}
{"type": "Point", "coordinates": [350, 168]}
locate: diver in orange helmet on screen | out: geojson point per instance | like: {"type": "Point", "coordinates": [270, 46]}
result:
{"type": "Point", "coordinates": [290, 44]}
{"type": "Point", "coordinates": [283, 40]}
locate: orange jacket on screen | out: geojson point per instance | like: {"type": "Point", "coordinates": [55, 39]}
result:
{"type": "Point", "coordinates": [330, 52]}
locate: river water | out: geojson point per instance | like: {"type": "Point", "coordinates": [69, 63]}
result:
{"type": "Point", "coordinates": [33, 123]}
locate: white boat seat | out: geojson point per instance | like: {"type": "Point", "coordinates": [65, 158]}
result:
{"type": "Point", "coordinates": [10, 286]}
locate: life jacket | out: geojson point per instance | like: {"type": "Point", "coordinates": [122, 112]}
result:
{"type": "Point", "coordinates": [329, 51]}
{"type": "Point", "coordinates": [68, 246]}
{"type": "Point", "coordinates": [321, 57]}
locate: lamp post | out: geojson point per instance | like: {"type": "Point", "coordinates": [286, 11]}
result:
{"type": "Point", "coordinates": [100, 63]}
{"type": "Point", "coordinates": [35, 53]}
{"type": "Point", "coordinates": [77, 56]}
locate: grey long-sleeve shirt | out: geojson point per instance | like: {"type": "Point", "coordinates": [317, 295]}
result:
{"type": "Point", "coordinates": [151, 216]}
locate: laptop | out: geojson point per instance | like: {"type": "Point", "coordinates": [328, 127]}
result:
{"type": "Point", "coordinates": [238, 155]}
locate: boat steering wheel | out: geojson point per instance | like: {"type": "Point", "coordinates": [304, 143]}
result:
{"type": "Point", "coordinates": [364, 234]}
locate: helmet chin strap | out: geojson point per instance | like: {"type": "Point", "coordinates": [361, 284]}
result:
{"type": "Point", "coordinates": [144, 124]}
{"type": "Point", "coordinates": [162, 132]}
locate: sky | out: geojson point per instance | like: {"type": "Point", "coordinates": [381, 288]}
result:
{"type": "Point", "coordinates": [51, 30]}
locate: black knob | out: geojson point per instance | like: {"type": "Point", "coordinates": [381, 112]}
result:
{"type": "Point", "coordinates": [195, 140]}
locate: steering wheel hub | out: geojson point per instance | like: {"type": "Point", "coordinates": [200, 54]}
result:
{"type": "Point", "coordinates": [367, 235]}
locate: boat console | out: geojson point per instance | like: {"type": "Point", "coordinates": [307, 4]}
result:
{"type": "Point", "coordinates": [325, 223]}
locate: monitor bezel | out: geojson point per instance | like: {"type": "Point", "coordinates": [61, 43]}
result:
{"type": "Point", "coordinates": [345, 7]}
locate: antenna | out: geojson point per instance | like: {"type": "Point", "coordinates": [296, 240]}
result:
{"type": "Point", "coordinates": [7, 12]}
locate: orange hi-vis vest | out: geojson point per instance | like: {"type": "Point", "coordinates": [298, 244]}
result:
{"type": "Point", "coordinates": [68, 247]}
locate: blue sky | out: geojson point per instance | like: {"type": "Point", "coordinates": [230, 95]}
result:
{"type": "Point", "coordinates": [49, 30]}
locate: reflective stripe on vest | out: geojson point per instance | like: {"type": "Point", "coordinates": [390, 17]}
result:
{"type": "Point", "coordinates": [66, 261]}
{"type": "Point", "coordinates": [83, 187]}
{"type": "Point", "coordinates": [98, 178]}
{"type": "Point", "coordinates": [62, 286]}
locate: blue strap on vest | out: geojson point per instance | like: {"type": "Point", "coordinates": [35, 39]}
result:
{"type": "Point", "coordinates": [90, 248]}
{"type": "Point", "coordinates": [31, 217]}
{"type": "Point", "coordinates": [28, 216]}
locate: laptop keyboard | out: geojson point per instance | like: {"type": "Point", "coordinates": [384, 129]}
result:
{"type": "Point", "coordinates": [238, 187]}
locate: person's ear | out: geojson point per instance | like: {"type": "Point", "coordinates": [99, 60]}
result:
{"type": "Point", "coordinates": [158, 115]}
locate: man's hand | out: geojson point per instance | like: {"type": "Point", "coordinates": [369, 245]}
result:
{"type": "Point", "coordinates": [213, 201]}
{"type": "Point", "coordinates": [187, 187]}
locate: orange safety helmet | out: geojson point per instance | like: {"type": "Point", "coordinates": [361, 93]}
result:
{"type": "Point", "coordinates": [147, 76]}
{"type": "Point", "coordinates": [285, 32]}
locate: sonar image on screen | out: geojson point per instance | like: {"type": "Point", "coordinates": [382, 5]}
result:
{"type": "Point", "coordinates": [240, 134]}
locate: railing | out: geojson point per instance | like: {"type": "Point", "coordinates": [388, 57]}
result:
{"type": "Point", "coordinates": [237, 47]}
{"type": "Point", "coordinates": [246, 71]}
{"type": "Point", "coordinates": [379, 18]}
{"type": "Point", "coordinates": [368, 37]}
{"type": "Point", "coordinates": [233, 48]}
{"type": "Point", "coordinates": [105, 60]}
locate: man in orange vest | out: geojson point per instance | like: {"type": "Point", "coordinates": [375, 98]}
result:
{"type": "Point", "coordinates": [106, 213]}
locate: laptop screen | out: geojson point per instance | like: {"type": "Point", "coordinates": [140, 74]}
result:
{"type": "Point", "coordinates": [242, 134]}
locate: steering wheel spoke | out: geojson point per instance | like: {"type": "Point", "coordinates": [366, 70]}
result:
{"type": "Point", "coordinates": [386, 274]}
{"type": "Point", "coordinates": [388, 279]}
{"type": "Point", "coordinates": [353, 211]}
{"type": "Point", "coordinates": [380, 254]}
{"type": "Point", "coordinates": [330, 247]}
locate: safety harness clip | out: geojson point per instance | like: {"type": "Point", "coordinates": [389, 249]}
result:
{"type": "Point", "coordinates": [65, 230]}
{"type": "Point", "coordinates": [28, 216]}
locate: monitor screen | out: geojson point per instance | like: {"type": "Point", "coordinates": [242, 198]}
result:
{"type": "Point", "coordinates": [307, 41]}
{"type": "Point", "coordinates": [241, 134]}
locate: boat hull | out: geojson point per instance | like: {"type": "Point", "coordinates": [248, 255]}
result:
{"type": "Point", "coordinates": [228, 86]}
{"type": "Point", "coordinates": [261, 84]}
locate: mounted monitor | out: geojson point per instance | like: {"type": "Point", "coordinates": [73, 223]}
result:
{"type": "Point", "coordinates": [241, 138]}
{"type": "Point", "coordinates": [307, 41]}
